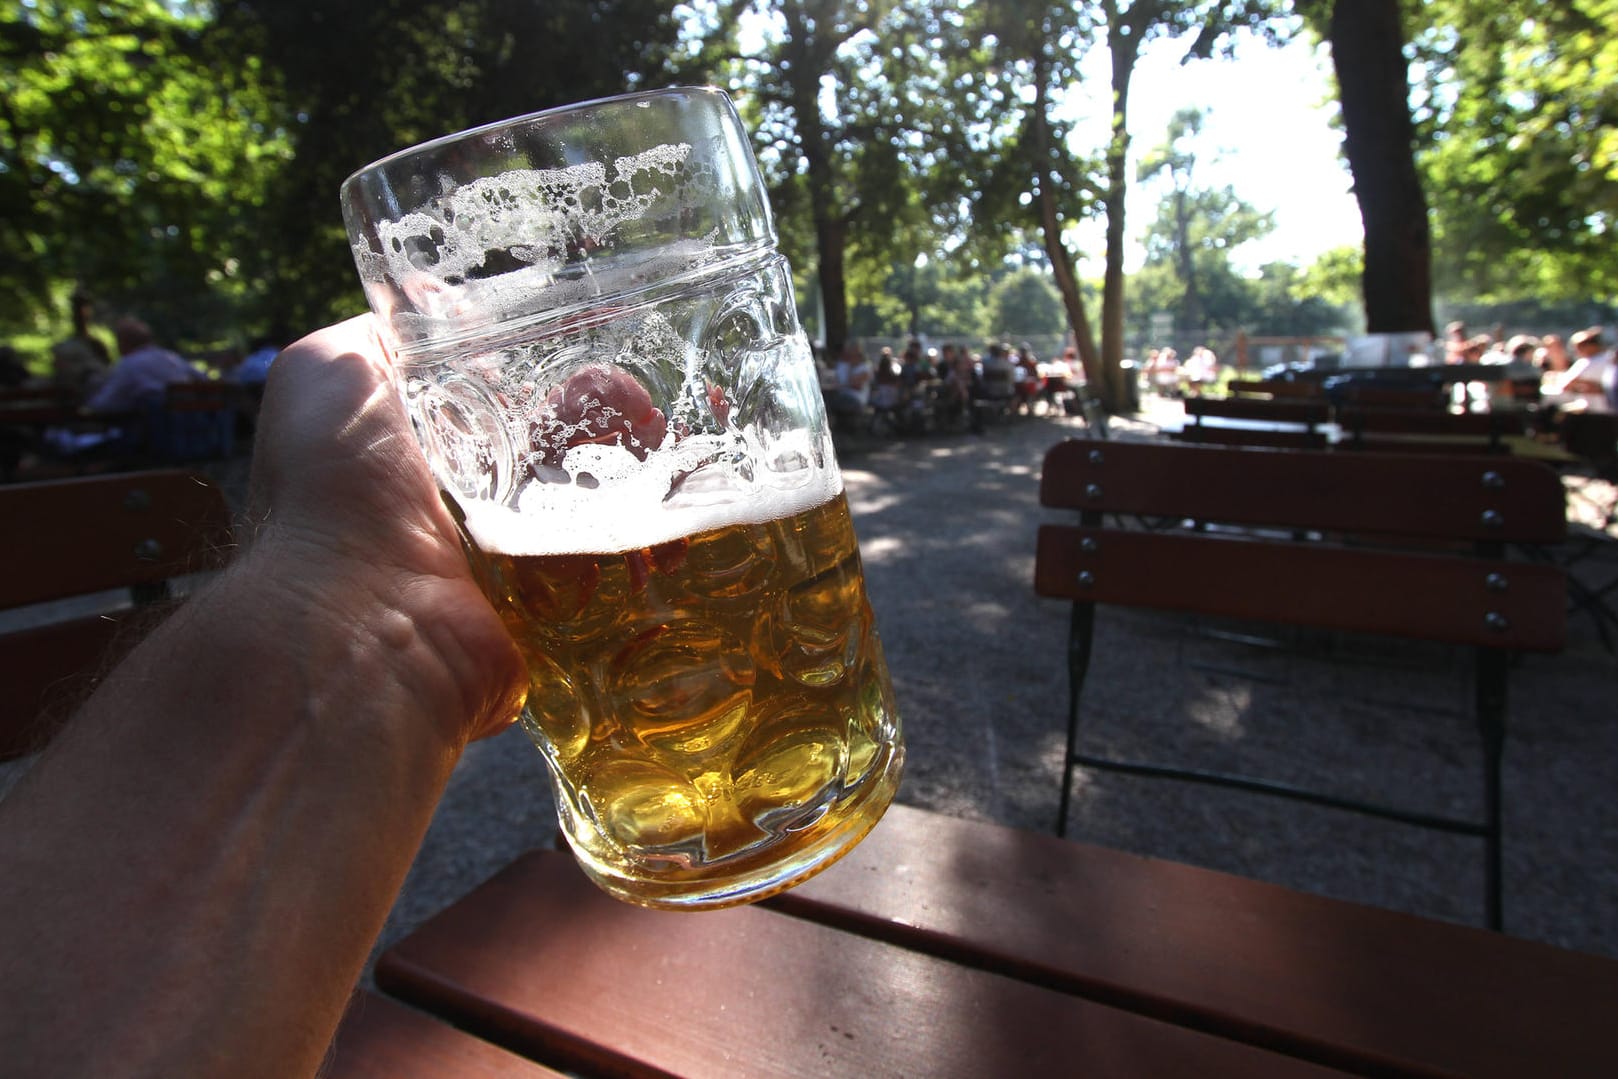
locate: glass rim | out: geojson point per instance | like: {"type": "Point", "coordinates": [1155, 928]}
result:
{"type": "Point", "coordinates": [439, 141]}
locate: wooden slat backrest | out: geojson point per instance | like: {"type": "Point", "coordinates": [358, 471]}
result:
{"type": "Point", "coordinates": [541, 961]}
{"type": "Point", "coordinates": [1292, 389]}
{"type": "Point", "coordinates": [1434, 398]}
{"type": "Point", "coordinates": [1459, 600]}
{"type": "Point", "coordinates": [1208, 435]}
{"type": "Point", "coordinates": [71, 537]}
{"type": "Point", "coordinates": [1429, 422]}
{"type": "Point", "coordinates": [1257, 408]}
{"type": "Point", "coordinates": [1465, 498]}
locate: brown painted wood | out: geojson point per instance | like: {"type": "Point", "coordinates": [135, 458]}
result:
{"type": "Point", "coordinates": [1471, 498]}
{"type": "Point", "coordinates": [86, 535]}
{"type": "Point", "coordinates": [1256, 408]}
{"type": "Point", "coordinates": [1205, 434]}
{"type": "Point", "coordinates": [1434, 397]}
{"type": "Point", "coordinates": [70, 538]}
{"type": "Point", "coordinates": [1294, 389]}
{"type": "Point", "coordinates": [1409, 421]}
{"type": "Point", "coordinates": [1456, 599]}
{"type": "Point", "coordinates": [539, 960]}
{"type": "Point", "coordinates": [1352, 986]}
{"type": "Point", "coordinates": [383, 1039]}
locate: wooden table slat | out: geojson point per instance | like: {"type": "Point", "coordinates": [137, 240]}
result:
{"type": "Point", "coordinates": [539, 960]}
{"type": "Point", "coordinates": [382, 1039]}
{"type": "Point", "coordinates": [1344, 984]}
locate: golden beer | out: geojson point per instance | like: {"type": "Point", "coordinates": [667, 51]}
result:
{"type": "Point", "coordinates": [716, 710]}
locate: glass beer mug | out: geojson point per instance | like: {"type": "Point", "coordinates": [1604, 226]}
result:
{"type": "Point", "coordinates": [599, 351]}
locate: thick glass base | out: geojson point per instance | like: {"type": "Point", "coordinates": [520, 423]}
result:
{"type": "Point", "coordinates": [764, 874]}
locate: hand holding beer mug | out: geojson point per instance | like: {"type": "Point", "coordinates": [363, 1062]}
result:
{"type": "Point", "coordinates": [598, 348]}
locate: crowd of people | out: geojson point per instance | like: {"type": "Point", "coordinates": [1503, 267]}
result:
{"type": "Point", "coordinates": [107, 396]}
{"type": "Point", "coordinates": [1577, 374]}
{"type": "Point", "coordinates": [84, 370]}
{"type": "Point", "coordinates": [944, 388]}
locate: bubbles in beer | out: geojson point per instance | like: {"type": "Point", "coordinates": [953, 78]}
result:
{"type": "Point", "coordinates": [734, 690]}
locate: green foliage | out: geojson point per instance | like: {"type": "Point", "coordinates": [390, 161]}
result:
{"type": "Point", "coordinates": [182, 159]}
{"type": "Point", "coordinates": [1520, 103]}
{"type": "Point", "coordinates": [1335, 276]}
{"type": "Point", "coordinates": [360, 80]}
{"type": "Point", "coordinates": [1024, 303]}
{"type": "Point", "coordinates": [131, 162]}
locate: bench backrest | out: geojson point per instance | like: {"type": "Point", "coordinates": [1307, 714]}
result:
{"type": "Point", "coordinates": [1481, 503]}
{"type": "Point", "coordinates": [69, 539]}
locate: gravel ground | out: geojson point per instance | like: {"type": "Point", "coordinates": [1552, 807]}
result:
{"type": "Point", "coordinates": [946, 528]}
{"type": "Point", "coordinates": [946, 525]}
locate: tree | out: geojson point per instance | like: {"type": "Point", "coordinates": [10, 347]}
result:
{"type": "Point", "coordinates": [1519, 100]}
{"type": "Point", "coordinates": [438, 66]}
{"type": "Point", "coordinates": [1031, 176]}
{"type": "Point", "coordinates": [851, 109]}
{"type": "Point", "coordinates": [1026, 303]}
{"type": "Point", "coordinates": [131, 162]}
{"type": "Point", "coordinates": [1129, 25]}
{"type": "Point", "coordinates": [1367, 49]}
{"type": "Point", "coordinates": [1177, 160]}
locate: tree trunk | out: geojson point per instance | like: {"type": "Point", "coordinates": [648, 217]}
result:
{"type": "Point", "coordinates": [1191, 314]}
{"type": "Point", "coordinates": [830, 221]}
{"type": "Point", "coordinates": [1067, 282]}
{"type": "Point", "coordinates": [831, 236]}
{"type": "Point", "coordinates": [1124, 48]}
{"type": "Point", "coordinates": [1367, 49]}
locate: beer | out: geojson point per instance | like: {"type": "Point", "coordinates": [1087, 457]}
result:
{"type": "Point", "coordinates": [715, 708]}
{"type": "Point", "coordinates": [598, 346]}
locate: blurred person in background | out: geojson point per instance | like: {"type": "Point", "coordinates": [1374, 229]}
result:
{"type": "Point", "coordinates": [142, 375]}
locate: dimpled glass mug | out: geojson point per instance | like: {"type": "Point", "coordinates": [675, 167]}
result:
{"type": "Point", "coordinates": [599, 350]}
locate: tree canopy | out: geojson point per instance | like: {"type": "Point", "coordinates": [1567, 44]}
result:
{"type": "Point", "coordinates": [181, 158]}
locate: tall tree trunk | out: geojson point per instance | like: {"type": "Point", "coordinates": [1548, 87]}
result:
{"type": "Point", "coordinates": [831, 239]}
{"type": "Point", "coordinates": [830, 221]}
{"type": "Point", "coordinates": [1067, 281]}
{"type": "Point", "coordinates": [1124, 48]}
{"type": "Point", "coordinates": [1367, 50]}
{"type": "Point", "coordinates": [1192, 317]}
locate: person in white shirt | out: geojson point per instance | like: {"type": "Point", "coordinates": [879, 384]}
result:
{"type": "Point", "coordinates": [1588, 384]}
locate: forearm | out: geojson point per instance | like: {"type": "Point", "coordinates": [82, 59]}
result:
{"type": "Point", "coordinates": [191, 880]}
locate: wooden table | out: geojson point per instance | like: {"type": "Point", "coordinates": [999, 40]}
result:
{"type": "Point", "coordinates": [942, 947]}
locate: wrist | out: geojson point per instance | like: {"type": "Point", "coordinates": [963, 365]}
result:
{"type": "Point", "coordinates": [369, 624]}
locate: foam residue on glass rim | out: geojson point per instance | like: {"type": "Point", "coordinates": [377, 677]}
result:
{"type": "Point", "coordinates": [616, 502]}
{"type": "Point", "coordinates": [484, 251]}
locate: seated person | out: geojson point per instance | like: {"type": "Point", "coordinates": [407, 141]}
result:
{"type": "Point", "coordinates": [853, 390]}
{"type": "Point", "coordinates": [1588, 383]}
{"type": "Point", "coordinates": [141, 377]}
{"type": "Point", "coordinates": [255, 366]}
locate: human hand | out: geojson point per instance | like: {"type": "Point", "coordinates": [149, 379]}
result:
{"type": "Point", "coordinates": [341, 487]}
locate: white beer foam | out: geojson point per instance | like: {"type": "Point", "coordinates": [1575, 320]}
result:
{"type": "Point", "coordinates": [696, 484]}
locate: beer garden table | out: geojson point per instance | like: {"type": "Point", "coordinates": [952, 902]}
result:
{"type": "Point", "coordinates": [943, 947]}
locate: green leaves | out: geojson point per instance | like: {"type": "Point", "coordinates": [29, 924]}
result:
{"type": "Point", "coordinates": [1521, 107]}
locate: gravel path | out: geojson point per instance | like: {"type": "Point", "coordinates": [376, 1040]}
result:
{"type": "Point", "coordinates": [947, 524]}
{"type": "Point", "coordinates": [946, 528]}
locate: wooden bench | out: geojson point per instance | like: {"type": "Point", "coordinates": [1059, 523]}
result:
{"type": "Point", "coordinates": [130, 534]}
{"type": "Point", "coordinates": [1261, 422]}
{"type": "Point", "coordinates": [1405, 430]}
{"type": "Point", "coordinates": [1287, 389]}
{"type": "Point", "coordinates": [382, 1039]}
{"type": "Point", "coordinates": [540, 961]}
{"type": "Point", "coordinates": [1353, 580]}
{"type": "Point", "coordinates": [945, 947]}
